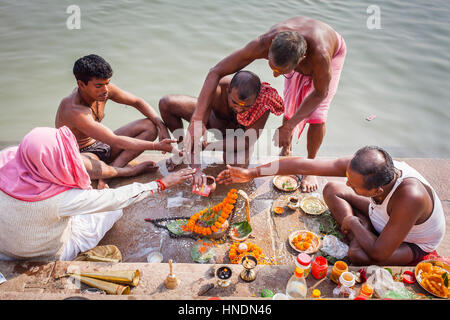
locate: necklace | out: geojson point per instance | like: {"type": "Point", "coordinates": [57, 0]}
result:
{"type": "Point", "coordinates": [97, 118]}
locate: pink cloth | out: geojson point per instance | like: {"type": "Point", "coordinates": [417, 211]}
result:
{"type": "Point", "coordinates": [432, 256]}
{"type": "Point", "coordinates": [297, 87]}
{"type": "Point", "coordinates": [46, 163]}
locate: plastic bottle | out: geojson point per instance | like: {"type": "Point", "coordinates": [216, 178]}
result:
{"type": "Point", "coordinates": [296, 287]}
{"type": "Point", "coordinates": [319, 267]}
{"type": "Point", "coordinates": [303, 261]}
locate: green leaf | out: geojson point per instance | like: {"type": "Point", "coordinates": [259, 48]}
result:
{"type": "Point", "coordinates": [445, 278]}
{"type": "Point", "coordinates": [202, 257]}
{"type": "Point", "coordinates": [242, 228]}
{"type": "Point", "coordinates": [175, 226]}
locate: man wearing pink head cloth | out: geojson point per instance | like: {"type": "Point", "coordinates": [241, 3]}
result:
{"type": "Point", "coordinates": [48, 209]}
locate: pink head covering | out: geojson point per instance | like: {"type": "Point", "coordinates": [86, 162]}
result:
{"type": "Point", "coordinates": [46, 163]}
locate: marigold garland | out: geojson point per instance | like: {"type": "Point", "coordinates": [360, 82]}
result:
{"type": "Point", "coordinates": [214, 217]}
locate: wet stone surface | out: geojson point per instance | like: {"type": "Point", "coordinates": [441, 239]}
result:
{"type": "Point", "coordinates": [136, 238]}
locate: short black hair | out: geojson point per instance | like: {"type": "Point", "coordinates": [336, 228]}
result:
{"type": "Point", "coordinates": [375, 165]}
{"type": "Point", "coordinates": [287, 48]}
{"type": "Point", "coordinates": [247, 84]}
{"type": "Point", "coordinates": [91, 66]}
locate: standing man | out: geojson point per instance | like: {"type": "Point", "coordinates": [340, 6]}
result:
{"type": "Point", "coordinates": [83, 110]}
{"type": "Point", "coordinates": [310, 54]}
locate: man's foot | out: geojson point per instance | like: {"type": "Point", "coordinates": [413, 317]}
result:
{"type": "Point", "coordinates": [145, 167]}
{"type": "Point", "coordinates": [309, 184]}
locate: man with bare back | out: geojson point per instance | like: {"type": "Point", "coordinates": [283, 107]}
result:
{"type": "Point", "coordinates": [83, 110]}
{"type": "Point", "coordinates": [310, 54]}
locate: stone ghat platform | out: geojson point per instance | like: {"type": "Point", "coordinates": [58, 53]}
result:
{"type": "Point", "coordinates": [136, 238]}
{"type": "Point", "coordinates": [39, 280]}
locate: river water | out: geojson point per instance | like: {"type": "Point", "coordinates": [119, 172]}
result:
{"type": "Point", "coordinates": [397, 65]}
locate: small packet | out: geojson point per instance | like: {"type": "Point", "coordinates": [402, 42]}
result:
{"type": "Point", "coordinates": [204, 190]}
{"type": "Point", "coordinates": [344, 292]}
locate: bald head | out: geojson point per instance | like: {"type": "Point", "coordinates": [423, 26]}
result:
{"type": "Point", "coordinates": [375, 165]}
{"type": "Point", "coordinates": [247, 83]}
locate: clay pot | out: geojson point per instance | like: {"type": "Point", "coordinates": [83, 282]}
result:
{"type": "Point", "coordinates": [211, 183]}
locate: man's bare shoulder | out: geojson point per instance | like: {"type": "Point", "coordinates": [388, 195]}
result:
{"type": "Point", "coordinates": [261, 44]}
{"type": "Point", "coordinates": [319, 35]}
{"type": "Point", "coordinates": [410, 194]}
{"type": "Point", "coordinates": [70, 108]}
{"type": "Point", "coordinates": [413, 189]}
{"type": "Point", "coordinates": [299, 24]}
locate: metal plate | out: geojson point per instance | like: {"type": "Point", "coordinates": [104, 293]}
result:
{"type": "Point", "coordinates": [313, 205]}
{"type": "Point", "coordinates": [418, 274]}
{"type": "Point", "coordinates": [316, 243]}
{"type": "Point", "coordinates": [288, 183]}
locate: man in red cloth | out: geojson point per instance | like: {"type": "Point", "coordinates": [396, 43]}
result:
{"type": "Point", "coordinates": [239, 102]}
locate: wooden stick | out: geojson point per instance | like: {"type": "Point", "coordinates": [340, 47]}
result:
{"type": "Point", "coordinates": [317, 283]}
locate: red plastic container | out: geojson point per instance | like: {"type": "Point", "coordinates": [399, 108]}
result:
{"type": "Point", "coordinates": [408, 277]}
{"type": "Point", "coordinates": [319, 268]}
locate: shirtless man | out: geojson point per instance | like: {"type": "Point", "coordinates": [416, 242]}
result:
{"type": "Point", "coordinates": [390, 213]}
{"type": "Point", "coordinates": [83, 110]}
{"type": "Point", "coordinates": [239, 102]}
{"type": "Point", "coordinates": [312, 55]}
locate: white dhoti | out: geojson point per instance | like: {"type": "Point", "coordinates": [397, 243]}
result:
{"type": "Point", "coordinates": [87, 231]}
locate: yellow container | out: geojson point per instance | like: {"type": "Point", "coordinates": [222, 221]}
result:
{"type": "Point", "coordinates": [338, 268]}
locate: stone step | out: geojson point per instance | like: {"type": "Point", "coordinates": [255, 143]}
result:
{"type": "Point", "coordinates": [40, 280]}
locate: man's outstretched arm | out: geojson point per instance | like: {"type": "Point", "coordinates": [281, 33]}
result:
{"type": "Point", "coordinates": [83, 121]}
{"type": "Point", "coordinates": [291, 165]}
